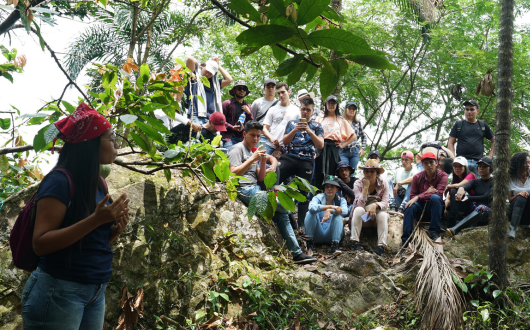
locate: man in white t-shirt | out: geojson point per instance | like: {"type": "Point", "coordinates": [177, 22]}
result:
{"type": "Point", "coordinates": [261, 106]}
{"type": "Point", "coordinates": [277, 118]}
{"type": "Point", "coordinates": [402, 195]}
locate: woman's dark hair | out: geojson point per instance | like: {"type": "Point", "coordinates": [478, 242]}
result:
{"type": "Point", "coordinates": [326, 111]}
{"type": "Point", "coordinates": [517, 164]}
{"type": "Point", "coordinates": [82, 160]}
{"type": "Point", "coordinates": [456, 179]}
{"type": "Point", "coordinates": [446, 165]}
{"type": "Point", "coordinates": [253, 124]}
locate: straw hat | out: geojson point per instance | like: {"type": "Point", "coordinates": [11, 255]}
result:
{"type": "Point", "coordinates": [372, 163]}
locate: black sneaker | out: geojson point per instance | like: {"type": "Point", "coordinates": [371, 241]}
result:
{"type": "Point", "coordinates": [357, 247]}
{"type": "Point", "coordinates": [311, 246]}
{"type": "Point", "coordinates": [434, 236]}
{"type": "Point", "coordinates": [303, 259]}
{"type": "Point", "coordinates": [294, 223]}
{"type": "Point", "coordinates": [335, 248]}
{"type": "Point", "coordinates": [379, 250]}
{"type": "Point", "coordinates": [401, 210]}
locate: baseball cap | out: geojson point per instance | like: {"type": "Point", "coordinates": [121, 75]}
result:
{"type": "Point", "coordinates": [471, 102]}
{"type": "Point", "coordinates": [304, 93]}
{"type": "Point", "coordinates": [408, 154]}
{"type": "Point", "coordinates": [343, 164]}
{"type": "Point", "coordinates": [374, 152]}
{"type": "Point", "coordinates": [212, 66]}
{"type": "Point", "coordinates": [218, 120]}
{"type": "Point", "coordinates": [460, 160]}
{"type": "Point", "coordinates": [428, 155]}
{"type": "Point", "coordinates": [486, 160]}
{"type": "Point", "coordinates": [351, 103]}
{"type": "Point", "coordinates": [332, 98]}
{"type": "Point", "coordinates": [269, 81]}
{"type": "Point", "coordinates": [330, 179]}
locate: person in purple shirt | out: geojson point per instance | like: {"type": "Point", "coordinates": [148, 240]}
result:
{"type": "Point", "coordinates": [426, 191]}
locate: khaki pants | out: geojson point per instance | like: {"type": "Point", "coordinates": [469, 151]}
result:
{"type": "Point", "coordinates": [380, 221]}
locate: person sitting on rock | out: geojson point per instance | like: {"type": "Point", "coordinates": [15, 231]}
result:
{"type": "Point", "coordinates": [301, 139]}
{"type": "Point", "coordinates": [481, 201]}
{"type": "Point", "coordinates": [324, 223]}
{"type": "Point", "coordinates": [455, 212]}
{"type": "Point", "coordinates": [519, 188]}
{"type": "Point", "coordinates": [250, 162]}
{"type": "Point", "coordinates": [375, 155]}
{"type": "Point", "coordinates": [346, 183]}
{"type": "Point", "coordinates": [401, 190]}
{"type": "Point", "coordinates": [426, 191]}
{"type": "Point", "coordinates": [371, 202]}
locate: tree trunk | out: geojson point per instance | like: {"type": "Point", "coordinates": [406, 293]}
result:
{"type": "Point", "coordinates": [497, 233]}
{"type": "Point", "coordinates": [337, 5]}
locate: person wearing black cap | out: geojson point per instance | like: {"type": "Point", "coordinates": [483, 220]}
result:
{"type": "Point", "coordinates": [301, 139]}
{"type": "Point", "coordinates": [346, 183]}
{"type": "Point", "coordinates": [324, 223]}
{"type": "Point", "coordinates": [263, 104]}
{"type": "Point", "coordinates": [480, 202]}
{"type": "Point", "coordinates": [234, 110]}
{"type": "Point", "coordinates": [470, 134]}
{"type": "Point", "coordinates": [353, 152]}
{"type": "Point", "coordinates": [338, 134]}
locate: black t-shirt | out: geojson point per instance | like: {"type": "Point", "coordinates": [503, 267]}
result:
{"type": "Point", "coordinates": [181, 132]}
{"type": "Point", "coordinates": [346, 190]}
{"type": "Point", "coordinates": [483, 190]}
{"type": "Point", "coordinates": [470, 139]}
{"type": "Point", "coordinates": [239, 111]}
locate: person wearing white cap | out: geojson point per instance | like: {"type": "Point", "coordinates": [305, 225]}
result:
{"type": "Point", "coordinates": [461, 176]}
{"type": "Point", "coordinates": [198, 111]}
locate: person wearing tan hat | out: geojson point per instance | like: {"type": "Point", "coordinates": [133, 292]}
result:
{"type": "Point", "coordinates": [426, 191]}
{"type": "Point", "coordinates": [371, 202]}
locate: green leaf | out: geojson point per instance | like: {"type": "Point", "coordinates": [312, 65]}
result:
{"type": "Point", "coordinates": [157, 123]}
{"type": "Point", "coordinates": [37, 28]}
{"type": "Point", "coordinates": [7, 76]}
{"type": "Point", "coordinates": [39, 143]}
{"type": "Point", "coordinates": [222, 170]}
{"type": "Point", "coordinates": [264, 35]}
{"type": "Point", "coordinates": [469, 278]}
{"type": "Point", "coordinates": [460, 284]}
{"type": "Point", "coordinates": [230, 189]}
{"type": "Point", "coordinates": [140, 142]}
{"type": "Point", "coordinates": [278, 53]}
{"type": "Point", "coordinates": [249, 50]}
{"type": "Point", "coordinates": [341, 66]}
{"type": "Point", "coordinates": [167, 174]}
{"type": "Point", "coordinates": [310, 9]}
{"type": "Point", "coordinates": [328, 82]}
{"type": "Point", "coordinates": [208, 173]}
{"type": "Point", "coordinates": [216, 141]}
{"type": "Point", "coordinates": [270, 179]}
{"type": "Point", "coordinates": [372, 61]}
{"type": "Point", "coordinates": [474, 303]}
{"type": "Point", "coordinates": [270, 210]}
{"type": "Point", "coordinates": [304, 185]}
{"type": "Point", "coordinates": [496, 293]}
{"type": "Point", "coordinates": [36, 120]}
{"type": "Point", "coordinates": [149, 131]}
{"type": "Point", "coordinates": [224, 296]}
{"type": "Point", "coordinates": [243, 7]}
{"type": "Point", "coordinates": [311, 71]}
{"type": "Point", "coordinates": [252, 207]}
{"type": "Point", "coordinates": [69, 108]}
{"type": "Point", "coordinates": [199, 316]}
{"type": "Point", "coordinates": [296, 195]}
{"type": "Point", "coordinates": [341, 40]}
{"type": "Point", "coordinates": [128, 119]}
{"type": "Point", "coordinates": [289, 65]}
{"type": "Point", "coordinates": [144, 73]}
{"type": "Point", "coordinates": [280, 6]}
{"type": "Point", "coordinates": [286, 201]}
{"type": "Point", "coordinates": [261, 202]}
{"type": "Point", "coordinates": [44, 10]}
{"type": "Point", "coordinates": [297, 73]}
{"type": "Point", "coordinates": [322, 60]}
{"type": "Point", "coordinates": [332, 14]}
{"type": "Point", "coordinates": [4, 163]}
{"type": "Point", "coordinates": [5, 123]}
{"type": "Point", "coordinates": [485, 315]}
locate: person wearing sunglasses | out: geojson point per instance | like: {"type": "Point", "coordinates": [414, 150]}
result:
{"type": "Point", "coordinates": [237, 113]}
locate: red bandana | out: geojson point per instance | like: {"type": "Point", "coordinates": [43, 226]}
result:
{"type": "Point", "coordinates": [82, 125]}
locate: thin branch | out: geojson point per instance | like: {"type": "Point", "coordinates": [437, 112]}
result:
{"type": "Point", "coordinates": [4, 151]}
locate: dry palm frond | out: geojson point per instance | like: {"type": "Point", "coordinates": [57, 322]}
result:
{"type": "Point", "coordinates": [486, 85]}
{"type": "Point", "coordinates": [437, 297]}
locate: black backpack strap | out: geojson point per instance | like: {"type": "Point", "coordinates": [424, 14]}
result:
{"type": "Point", "coordinates": [263, 115]}
{"type": "Point", "coordinates": [70, 182]}
{"type": "Point", "coordinates": [459, 127]}
{"type": "Point", "coordinates": [482, 127]}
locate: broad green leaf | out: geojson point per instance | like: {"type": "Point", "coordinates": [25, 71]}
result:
{"type": "Point", "coordinates": [469, 278]}
{"type": "Point", "coordinates": [270, 180]}
{"type": "Point", "coordinates": [286, 201]}
{"type": "Point", "coordinates": [296, 195]}
{"type": "Point", "coordinates": [261, 202]}
{"type": "Point", "coordinates": [39, 142]}
{"type": "Point", "coordinates": [264, 35]}
{"type": "Point", "coordinates": [224, 296]}
{"type": "Point", "coordinates": [10, 8]}
{"type": "Point", "coordinates": [205, 82]}
{"type": "Point", "coordinates": [144, 73]}
{"type": "Point", "coordinates": [157, 123]}
{"type": "Point", "coordinates": [280, 187]}
{"type": "Point", "coordinates": [216, 141]}
{"type": "Point", "coordinates": [297, 73]}
{"type": "Point", "coordinates": [167, 174]}
{"type": "Point", "coordinates": [4, 163]}
{"type": "Point", "coordinates": [69, 108]}
{"type": "Point", "coordinates": [36, 120]}
{"type": "Point", "coordinates": [249, 50]}
{"type": "Point", "coordinates": [222, 170]}
{"type": "Point", "coordinates": [279, 5]}
{"type": "Point", "coordinates": [200, 98]}
{"type": "Point", "coordinates": [311, 71]}
{"type": "Point", "coordinates": [244, 8]}
{"type": "Point", "coordinates": [171, 153]}
{"type": "Point", "coordinates": [140, 142]}
{"type": "Point", "coordinates": [322, 60]}
{"type": "Point", "coordinates": [485, 315]}
{"type": "Point", "coordinates": [208, 173]}
{"type": "Point", "coordinates": [328, 82]}
{"type": "Point", "coordinates": [199, 316]}
{"type": "Point", "coordinates": [44, 10]}
{"type": "Point", "coordinates": [304, 185]}
{"type": "Point", "coordinates": [279, 53]}
{"type": "Point", "coordinates": [332, 14]}
{"type": "Point", "coordinates": [7, 76]}
{"type": "Point", "coordinates": [341, 40]}
{"type": "Point", "coordinates": [311, 9]}
{"type": "Point", "coordinates": [5, 123]}
{"type": "Point", "coordinates": [15, 168]}
{"type": "Point", "coordinates": [474, 303]}
{"type": "Point", "coordinates": [496, 293]}
{"type": "Point", "coordinates": [128, 119]}
{"type": "Point", "coordinates": [341, 66]}
{"type": "Point", "coordinates": [252, 207]}
{"type": "Point", "coordinates": [231, 190]}
{"type": "Point", "coordinates": [372, 61]}
{"type": "Point", "coordinates": [289, 65]}
{"type": "Point", "coordinates": [270, 210]}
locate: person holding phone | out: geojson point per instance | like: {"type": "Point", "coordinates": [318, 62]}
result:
{"type": "Point", "coordinates": [237, 113]}
{"type": "Point", "coordinates": [249, 162]}
{"type": "Point", "coordinates": [371, 202]}
{"type": "Point", "coordinates": [302, 137]}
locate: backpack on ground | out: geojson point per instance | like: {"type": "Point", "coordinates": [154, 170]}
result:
{"type": "Point", "coordinates": [461, 122]}
{"type": "Point", "coordinates": [21, 237]}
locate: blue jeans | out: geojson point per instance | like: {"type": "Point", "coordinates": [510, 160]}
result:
{"type": "Point", "coordinates": [400, 202]}
{"type": "Point", "coordinates": [391, 201]}
{"type": "Point", "coordinates": [228, 144]}
{"type": "Point", "coordinates": [350, 156]}
{"type": "Point", "coordinates": [472, 166]}
{"type": "Point", "coordinates": [50, 303]}
{"type": "Point", "coordinates": [281, 218]}
{"type": "Point", "coordinates": [269, 149]}
{"type": "Point", "coordinates": [328, 232]}
{"type": "Point", "coordinates": [200, 120]}
{"type": "Point", "coordinates": [434, 210]}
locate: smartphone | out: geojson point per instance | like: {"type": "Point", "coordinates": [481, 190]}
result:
{"type": "Point", "coordinates": [303, 120]}
{"type": "Point", "coordinates": [263, 144]}
{"type": "Point", "coordinates": [366, 217]}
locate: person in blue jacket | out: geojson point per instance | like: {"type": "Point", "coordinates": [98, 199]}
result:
{"type": "Point", "coordinates": [324, 222]}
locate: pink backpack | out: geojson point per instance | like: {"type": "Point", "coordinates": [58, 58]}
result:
{"type": "Point", "coordinates": [21, 237]}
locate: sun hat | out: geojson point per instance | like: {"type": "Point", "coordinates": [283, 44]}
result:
{"type": "Point", "coordinates": [304, 93]}
{"type": "Point", "coordinates": [372, 164]}
{"type": "Point", "coordinates": [342, 164]}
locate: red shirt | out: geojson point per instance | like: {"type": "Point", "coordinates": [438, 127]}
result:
{"type": "Point", "coordinates": [420, 184]}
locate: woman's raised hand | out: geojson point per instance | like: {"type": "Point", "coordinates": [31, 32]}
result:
{"type": "Point", "coordinates": [108, 213]}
